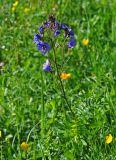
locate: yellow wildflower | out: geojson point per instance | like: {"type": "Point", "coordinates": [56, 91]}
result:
{"type": "Point", "coordinates": [64, 76]}
{"type": "Point", "coordinates": [0, 134]}
{"type": "Point", "coordinates": [24, 146]}
{"type": "Point", "coordinates": [108, 139]}
{"type": "Point", "coordinates": [26, 10]}
{"type": "Point", "coordinates": [15, 4]}
{"type": "Point", "coordinates": [13, 9]}
{"type": "Point", "coordinates": [85, 42]}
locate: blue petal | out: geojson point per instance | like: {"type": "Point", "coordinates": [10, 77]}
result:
{"type": "Point", "coordinates": [47, 24]}
{"type": "Point", "coordinates": [43, 47]}
{"type": "Point", "coordinates": [63, 26]}
{"type": "Point", "coordinates": [71, 33]}
{"type": "Point", "coordinates": [46, 66]}
{"type": "Point", "coordinates": [41, 29]}
{"type": "Point", "coordinates": [37, 37]}
{"type": "Point", "coordinates": [71, 43]}
{"type": "Point", "coordinates": [56, 33]}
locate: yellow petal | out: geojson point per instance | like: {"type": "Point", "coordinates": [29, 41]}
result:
{"type": "Point", "coordinates": [26, 10]}
{"type": "Point", "coordinates": [0, 134]}
{"type": "Point", "coordinates": [85, 42]}
{"type": "Point", "coordinates": [108, 139]}
{"type": "Point", "coordinates": [24, 146]}
{"type": "Point", "coordinates": [15, 4]}
{"type": "Point", "coordinates": [64, 76]}
{"type": "Point", "coordinates": [13, 9]}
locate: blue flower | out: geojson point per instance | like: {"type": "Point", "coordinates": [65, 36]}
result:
{"type": "Point", "coordinates": [46, 66]}
{"type": "Point", "coordinates": [41, 29]}
{"type": "Point", "coordinates": [71, 33]}
{"type": "Point", "coordinates": [43, 47]}
{"type": "Point", "coordinates": [56, 32]}
{"type": "Point", "coordinates": [71, 43]}
{"type": "Point", "coordinates": [63, 26]}
{"type": "Point", "coordinates": [47, 24]}
{"type": "Point", "coordinates": [37, 38]}
{"type": "Point", "coordinates": [68, 32]}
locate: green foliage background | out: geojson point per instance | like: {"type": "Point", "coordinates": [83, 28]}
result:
{"type": "Point", "coordinates": [30, 102]}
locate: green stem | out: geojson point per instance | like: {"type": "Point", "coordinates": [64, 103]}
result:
{"type": "Point", "coordinates": [31, 131]}
{"type": "Point", "coordinates": [1, 150]}
{"type": "Point", "coordinates": [61, 84]}
{"type": "Point", "coordinates": [42, 114]}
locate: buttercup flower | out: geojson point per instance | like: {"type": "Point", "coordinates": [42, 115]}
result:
{"type": "Point", "coordinates": [108, 139]}
{"type": "Point", "coordinates": [46, 66]}
{"type": "Point", "coordinates": [26, 10]}
{"type": "Point", "coordinates": [24, 146]}
{"type": "Point", "coordinates": [43, 47]}
{"type": "Point", "coordinates": [0, 134]}
{"type": "Point", "coordinates": [13, 9]}
{"type": "Point", "coordinates": [85, 42]}
{"type": "Point", "coordinates": [64, 76]}
{"type": "Point", "coordinates": [15, 4]}
{"type": "Point", "coordinates": [71, 43]}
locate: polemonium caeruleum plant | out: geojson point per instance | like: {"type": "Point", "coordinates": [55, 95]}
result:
{"type": "Point", "coordinates": [46, 43]}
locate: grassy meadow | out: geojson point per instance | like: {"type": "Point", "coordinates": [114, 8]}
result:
{"type": "Point", "coordinates": [37, 122]}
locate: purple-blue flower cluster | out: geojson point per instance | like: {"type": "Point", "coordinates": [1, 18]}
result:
{"type": "Point", "coordinates": [57, 28]}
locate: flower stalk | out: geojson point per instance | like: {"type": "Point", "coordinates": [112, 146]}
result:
{"type": "Point", "coordinates": [61, 84]}
{"type": "Point", "coordinates": [45, 43]}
